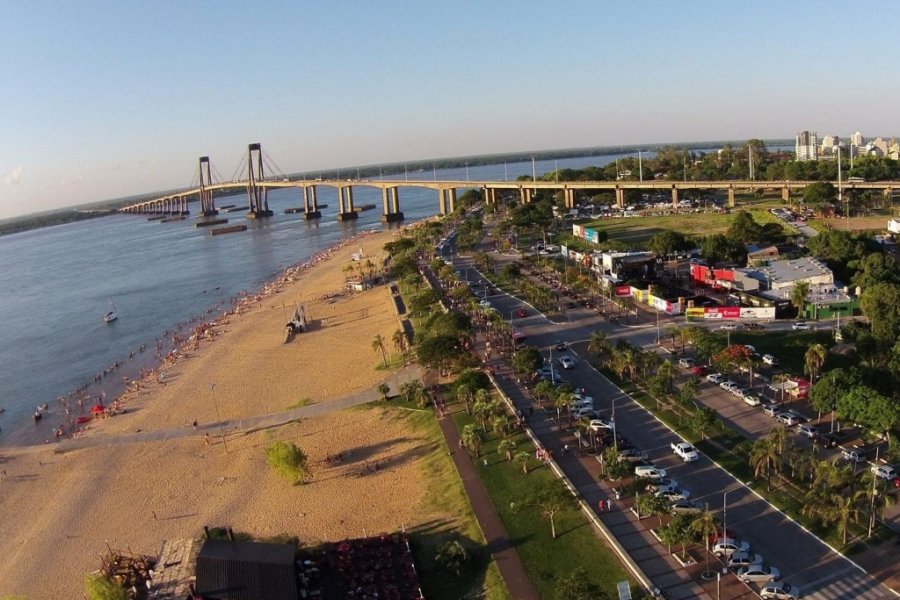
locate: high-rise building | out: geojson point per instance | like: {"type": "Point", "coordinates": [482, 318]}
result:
{"type": "Point", "coordinates": [857, 139]}
{"type": "Point", "coordinates": [807, 146]}
{"type": "Point", "coordinates": [829, 142]}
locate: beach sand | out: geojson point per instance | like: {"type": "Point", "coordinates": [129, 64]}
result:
{"type": "Point", "coordinates": [58, 512]}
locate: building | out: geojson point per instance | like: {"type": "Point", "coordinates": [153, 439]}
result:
{"type": "Point", "coordinates": [761, 254]}
{"type": "Point", "coordinates": [806, 146]}
{"type": "Point", "coordinates": [615, 267]}
{"type": "Point", "coordinates": [781, 276]}
{"type": "Point", "coordinates": [724, 279]}
{"type": "Point", "coordinates": [236, 570]}
{"type": "Point", "coordinates": [857, 139]}
{"type": "Point", "coordinates": [829, 143]}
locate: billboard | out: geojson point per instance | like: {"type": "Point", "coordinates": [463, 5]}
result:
{"type": "Point", "coordinates": [731, 312]}
{"type": "Point", "coordinates": [761, 312]}
{"type": "Point", "coordinates": [695, 313]}
{"type": "Point", "coordinates": [623, 291]}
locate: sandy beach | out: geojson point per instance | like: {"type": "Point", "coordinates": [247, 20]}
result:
{"type": "Point", "coordinates": [59, 511]}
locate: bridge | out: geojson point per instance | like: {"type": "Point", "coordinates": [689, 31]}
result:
{"type": "Point", "coordinates": [257, 186]}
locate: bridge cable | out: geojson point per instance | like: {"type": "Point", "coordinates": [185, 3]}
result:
{"type": "Point", "coordinates": [239, 171]}
{"type": "Point", "coordinates": [215, 172]}
{"type": "Point", "coordinates": [271, 164]}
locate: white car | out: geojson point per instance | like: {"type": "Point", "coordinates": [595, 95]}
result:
{"type": "Point", "coordinates": [566, 362]}
{"type": "Point", "coordinates": [685, 506]}
{"type": "Point", "coordinates": [599, 425]}
{"type": "Point", "coordinates": [886, 472]}
{"type": "Point", "coordinates": [649, 471]}
{"type": "Point", "coordinates": [800, 325]}
{"type": "Point", "coordinates": [758, 573]}
{"type": "Point", "coordinates": [685, 451]}
{"type": "Point", "coordinates": [585, 413]}
{"type": "Point", "coordinates": [807, 430]}
{"type": "Point", "coordinates": [752, 399]}
{"type": "Point", "coordinates": [484, 304]}
{"type": "Point", "coordinates": [686, 363]}
{"type": "Point", "coordinates": [727, 547]}
{"type": "Point", "coordinates": [728, 385]}
{"type": "Point", "coordinates": [778, 590]}
{"type": "Point", "coordinates": [743, 559]}
{"type": "Point", "coordinates": [728, 327]}
{"type": "Point", "coordinates": [769, 360]}
{"type": "Point", "coordinates": [788, 419]}
{"type": "Point", "coordinates": [674, 494]}
{"type": "Point", "coordinates": [714, 377]}
{"type": "Point", "coordinates": [856, 455]}
{"type": "Point", "coordinates": [739, 391]}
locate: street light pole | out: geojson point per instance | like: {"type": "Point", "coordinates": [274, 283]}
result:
{"type": "Point", "coordinates": [212, 390]}
{"type": "Point", "coordinates": [657, 327]}
{"type": "Point", "coordinates": [725, 512]}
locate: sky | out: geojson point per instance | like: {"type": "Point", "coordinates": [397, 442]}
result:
{"type": "Point", "coordinates": [101, 100]}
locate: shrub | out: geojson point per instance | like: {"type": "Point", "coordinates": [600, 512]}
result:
{"type": "Point", "coordinates": [288, 460]}
{"type": "Point", "coordinates": [97, 587]}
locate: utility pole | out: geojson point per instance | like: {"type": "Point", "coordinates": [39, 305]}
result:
{"type": "Point", "coordinates": [640, 167]}
{"type": "Point", "coordinates": [212, 390]}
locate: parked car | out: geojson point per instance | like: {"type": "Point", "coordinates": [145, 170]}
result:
{"type": "Point", "coordinates": [772, 409]}
{"type": "Point", "coordinates": [800, 325]}
{"type": "Point", "coordinates": [769, 360]}
{"type": "Point", "coordinates": [825, 440]}
{"type": "Point", "coordinates": [714, 377]}
{"type": "Point", "coordinates": [484, 304]}
{"type": "Point", "coordinates": [739, 560]}
{"type": "Point", "coordinates": [686, 363]}
{"type": "Point", "coordinates": [632, 454]}
{"type": "Point", "coordinates": [650, 472]}
{"type": "Point", "coordinates": [856, 455]}
{"type": "Point", "coordinates": [600, 424]}
{"type": "Point", "coordinates": [752, 399]}
{"type": "Point", "coordinates": [739, 391]}
{"type": "Point", "coordinates": [728, 546]}
{"type": "Point", "coordinates": [685, 451]}
{"type": "Point", "coordinates": [778, 590]}
{"type": "Point", "coordinates": [761, 573]}
{"type": "Point", "coordinates": [886, 472]}
{"type": "Point", "coordinates": [728, 386]}
{"type": "Point", "coordinates": [685, 506]}
{"type": "Point", "coordinates": [585, 413]}
{"type": "Point", "coordinates": [522, 312]}
{"type": "Point", "coordinates": [787, 418]}
{"type": "Point", "coordinates": [566, 362]}
{"type": "Point", "coordinates": [698, 370]}
{"type": "Point", "coordinates": [807, 430]}
{"type": "Point", "coordinates": [673, 495]}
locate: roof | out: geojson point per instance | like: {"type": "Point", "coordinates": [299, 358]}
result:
{"type": "Point", "coordinates": [785, 271]}
{"type": "Point", "coordinates": [229, 570]}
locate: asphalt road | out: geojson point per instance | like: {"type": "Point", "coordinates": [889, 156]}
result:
{"type": "Point", "coordinates": [803, 559]}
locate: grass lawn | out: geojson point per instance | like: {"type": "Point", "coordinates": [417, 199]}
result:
{"type": "Point", "coordinates": [446, 495]}
{"type": "Point", "coordinates": [637, 230]}
{"type": "Point", "coordinates": [789, 347]}
{"type": "Point", "coordinates": [546, 560]}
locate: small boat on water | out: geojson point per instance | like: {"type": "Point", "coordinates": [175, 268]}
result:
{"type": "Point", "coordinates": [111, 315]}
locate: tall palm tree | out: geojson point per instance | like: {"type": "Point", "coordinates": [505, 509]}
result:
{"type": "Point", "coordinates": [599, 345]}
{"type": "Point", "coordinates": [399, 341]}
{"type": "Point", "coordinates": [705, 525]}
{"type": "Point", "coordinates": [464, 393]}
{"type": "Point", "coordinates": [814, 359]}
{"type": "Point", "coordinates": [804, 461]}
{"type": "Point", "coordinates": [763, 456]}
{"type": "Point", "coordinates": [506, 448]}
{"type": "Point", "coordinates": [847, 509]}
{"type": "Point", "coordinates": [667, 370]}
{"type": "Point", "coordinates": [378, 344]}
{"type": "Point", "coordinates": [523, 457]}
{"type": "Point", "coordinates": [799, 295]}
{"type": "Point", "coordinates": [673, 332]}
{"type": "Point", "coordinates": [779, 438]}
{"type": "Point", "coordinates": [471, 439]}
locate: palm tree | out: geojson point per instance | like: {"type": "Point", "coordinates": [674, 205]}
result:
{"type": "Point", "coordinates": [562, 401]}
{"type": "Point", "coordinates": [781, 379]}
{"type": "Point", "coordinates": [705, 525]}
{"type": "Point", "coordinates": [523, 457]}
{"type": "Point", "coordinates": [499, 421]}
{"type": "Point", "coordinates": [667, 370]}
{"type": "Point", "coordinates": [673, 332]}
{"type": "Point", "coordinates": [378, 344]}
{"type": "Point", "coordinates": [763, 455]}
{"type": "Point", "coordinates": [471, 439]}
{"type": "Point", "coordinates": [383, 390]}
{"type": "Point", "coordinates": [599, 344]}
{"type": "Point", "coordinates": [779, 438]}
{"type": "Point", "coordinates": [399, 341]}
{"type": "Point", "coordinates": [482, 410]}
{"type": "Point", "coordinates": [506, 448]}
{"type": "Point", "coordinates": [846, 509]}
{"type": "Point", "coordinates": [464, 393]}
{"type": "Point", "coordinates": [804, 461]}
{"type": "Point", "coordinates": [799, 295]}
{"type": "Point", "coordinates": [815, 358]}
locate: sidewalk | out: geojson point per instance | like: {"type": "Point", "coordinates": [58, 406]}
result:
{"type": "Point", "coordinates": [498, 544]}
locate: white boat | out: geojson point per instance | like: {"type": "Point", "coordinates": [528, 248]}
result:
{"type": "Point", "coordinates": [111, 315]}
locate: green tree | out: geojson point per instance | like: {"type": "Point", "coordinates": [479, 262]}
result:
{"type": "Point", "coordinates": [668, 243]}
{"type": "Point", "coordinates": [799, 295]}
{"type": "Point", "coordinates": [526, 361]}
{"type": "Point", "coordinates": [744, 228]}
{"type": "Point", "coordinates": [383, 390]}
{"type": "Point", "coordinates": [703, 420]}
{"type": "Point", "coordinates": [704, 525]}
{"type": "Point", "coordinates": [378, 344]}
{"type": "Point", "coordinates": [506, 448]}
{"type": "Point", "coordinates": [98, 587]}
{"type": "Point", "coordinates": [864, 405]}
{"type": "Point", "coordinates": [524, 458]}
{"type": "Point", "coordinates": [471, 439]}
{"type": "Point", "coordinates": [599, 345]}
{"type": "Point", "coordinates": [577, 586]}
{"type": "Point", "coordinates": [615, 467]}
{"type": "Point", "coordinates": [551, 498]}
{"type": "Point", "coordinates": [688, 392]}
{"type": "Point", "coordinates": [879, 303]}
{"type": "Point", "coordinates": [820, 192]}
{"type": "Point", "coordinates": [452, 556]}
{"type": "Point", "coordinates": [814, 359]}
{"type": "Point", "coordinates": [288, 460]}
{"type": "Point", "coordinates": [649, 504]}
{"type": "Point", "coordinates": [763, 456]}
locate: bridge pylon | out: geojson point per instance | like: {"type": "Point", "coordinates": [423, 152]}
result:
{"type": "Point", "coordinates": [257, 195]}
{"type": "Point", "coordinates": [207, 204]}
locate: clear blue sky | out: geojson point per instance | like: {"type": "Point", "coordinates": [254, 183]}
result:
{"type": "Point", "coordinates": [107, 99]}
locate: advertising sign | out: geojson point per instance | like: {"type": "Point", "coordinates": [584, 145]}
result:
{"type": "Point", "coordinates": [623, 291]}
{"type": "Point", "coordinates": [578, 231]}
{"type": "Point", "coordinates": [695, 313]}
{"type": "Point", "coordinates": [591, 235]}
{"type": "Point", "coordinates": [723, 312]}
{"type": "Point", "coordinates": [762, 312]}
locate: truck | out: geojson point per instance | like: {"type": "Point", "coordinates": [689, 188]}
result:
{"type": "Point", "coordinates": [685, 451]}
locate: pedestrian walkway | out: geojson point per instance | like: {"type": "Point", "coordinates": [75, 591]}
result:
{"type": "Point", "coordinates": [498, 544]}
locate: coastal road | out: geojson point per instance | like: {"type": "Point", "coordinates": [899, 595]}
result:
{"type": "Point", "coordinates": [804, 560]}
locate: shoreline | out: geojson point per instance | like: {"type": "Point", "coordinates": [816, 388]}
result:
{"type": "Point", "coordinates": [142, 367]}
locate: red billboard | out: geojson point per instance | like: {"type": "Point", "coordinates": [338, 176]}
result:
{"type": "Point", "coordinates": [623, 290]}
{"type": "Point", "coordinates": [722, 312]}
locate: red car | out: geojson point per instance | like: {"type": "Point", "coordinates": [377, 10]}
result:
{"type": "Point", "coordinates": [715, 536]}
{"type": "Point", "coordinates": [698, 370]}
{"type": "Point", "coordinates": [522, 312]}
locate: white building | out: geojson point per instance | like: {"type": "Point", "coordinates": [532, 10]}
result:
{"type": "Point", "coordinates": [857, 139]}
{"type": "Point", "coordinates": [782, 275]}
{"type": "Point", "coordinates": [806, 146]}
{"type": "Point", "coordinates": [829, 142]}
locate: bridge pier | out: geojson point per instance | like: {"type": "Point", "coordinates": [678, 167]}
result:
{"type": "Point", "coordinates": [569, 195]}
{"type": "Point", "coordinates": [674, 198]}
{"type": "Point", "coordinates": [786, 194]}
{"type": "Point", "coordinates": [731, 201]}
{"type": "Point", "coordinates": [345, 204]}
{"type": "Point", "coordinates": [207, 204]}
{"type": "Point", "coordinates": [620, 197]}
{"type": "Point", "coordinates": [390, 198]}
{"type": "Point", "coordinates": [525, 195]}
{"type": "Point", "coordinates": [490, 195]}
{"type": "Point", "coordinates": [310, 203]}
{"type": "Point", "coordinates": [257, 195]}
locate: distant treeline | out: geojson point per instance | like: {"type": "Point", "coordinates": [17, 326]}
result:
{"type": "Point", "coordinates": [65, 215]}
{"type": "Point", "coordinates": [497, 159]}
